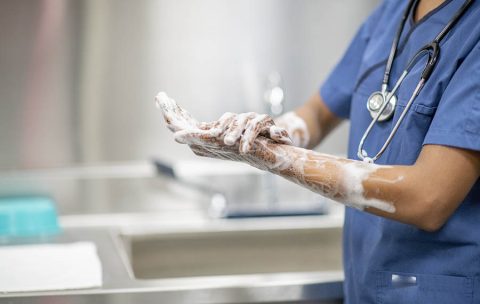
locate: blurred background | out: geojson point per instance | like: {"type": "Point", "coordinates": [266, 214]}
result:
{"type": "Point", "coordinates": [80, 137]}
{"type": "Point", "coordinates": [78, 78]}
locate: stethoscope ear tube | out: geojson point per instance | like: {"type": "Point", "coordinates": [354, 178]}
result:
{"type": "Point", "coordinates": [432, 60]}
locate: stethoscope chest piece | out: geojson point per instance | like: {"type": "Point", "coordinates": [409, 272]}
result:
{"type": "Point", "coordinates": [375, 103]}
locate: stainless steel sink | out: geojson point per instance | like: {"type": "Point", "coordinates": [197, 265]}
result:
{"type": "Point", "coordinates": [236, 252]}
{"type": "Point", "coordinates": [146, 259]}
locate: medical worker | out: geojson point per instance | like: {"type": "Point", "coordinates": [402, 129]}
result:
{"type": "Point", "coordinates": [410, 85]}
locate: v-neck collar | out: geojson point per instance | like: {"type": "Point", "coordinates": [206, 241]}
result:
{"type": "Point", "coordinates": [411, 17]}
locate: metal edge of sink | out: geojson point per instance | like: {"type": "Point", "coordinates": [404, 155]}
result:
{"type": "Point", "coordinates": [121, 286]}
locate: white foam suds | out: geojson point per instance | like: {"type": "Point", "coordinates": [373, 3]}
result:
{"type": "Point", "coordinates": [296, 128]}
{"type": "Point", "coordinates": [354, 174]}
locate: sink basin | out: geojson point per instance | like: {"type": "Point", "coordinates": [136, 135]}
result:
{"type": "Point", "coordinates": [237, 252]}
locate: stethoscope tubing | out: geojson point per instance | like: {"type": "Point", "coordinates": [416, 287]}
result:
{"type": "Point", "coordinates": [432, 50]}
{"type": "Point", "coordinates": [361, 153]}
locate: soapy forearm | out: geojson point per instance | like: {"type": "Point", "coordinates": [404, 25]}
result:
{"type": "Point", "coordinates": [388, 191]}
{"type": "Point", "coordinates": [346, 181]}
{"type": "Point", "coordinates": [424, 194]}
{"type": "Point", "coordinates": [401, 193]}
{"type": "Point", "coordinates": [340, 179]}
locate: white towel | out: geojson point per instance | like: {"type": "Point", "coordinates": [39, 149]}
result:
{"type": "Point", "coordinates": [49, 267]}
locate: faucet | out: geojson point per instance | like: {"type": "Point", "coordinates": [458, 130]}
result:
{"type": "Point", "coordinates": [274, 94]}
{"type": "Point", "coordinates": [274, 97]}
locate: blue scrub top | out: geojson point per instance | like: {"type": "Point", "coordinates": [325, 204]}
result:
{"type": "Point", "coordinates": [386, 261]}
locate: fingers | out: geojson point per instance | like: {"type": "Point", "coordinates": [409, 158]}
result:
{"type": "Point", "coordinates": [254, 127]}
{"type": "Point", "coordinates": [216, 123]}
{"type": "Point", "coordinates": [236, 128]}
{"type": "Point", "coordinates": [195, 137]}
{"type": "Point", "coordinates": [246, 128]}
{"type": "Point", "coordinates": [222, 124]}
{"type": "Point", "coordinates": [206, 132]}
{"type": "Point", "coordinates": [280, 135]}
{"type": "Point", "coordinates": [176, 117]}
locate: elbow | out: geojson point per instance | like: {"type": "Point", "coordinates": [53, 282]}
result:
{"type": "Point", "coordinates": [431, 224]}
{"type": "Point", "coordinates": [432, 214]}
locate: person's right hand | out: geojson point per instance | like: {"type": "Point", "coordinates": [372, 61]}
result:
{"type": "Point", "coordinates": [295, 127]}
{"type": "Point", "coordinates": [243, 129]}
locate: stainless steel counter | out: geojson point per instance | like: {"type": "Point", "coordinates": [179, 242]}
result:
{"type": "Point", "coordinates": [122, 285]}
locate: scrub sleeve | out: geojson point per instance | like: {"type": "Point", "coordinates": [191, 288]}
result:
{"type": "Point", "coordinates": [457, 120]}
{"type": "Point", "coordinates": [338, 89]}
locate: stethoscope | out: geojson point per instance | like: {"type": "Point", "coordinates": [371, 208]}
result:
{"type": "Point", "coordinates": [381, 104]}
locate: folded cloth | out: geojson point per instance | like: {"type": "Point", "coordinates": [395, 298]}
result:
{"type": "Point", "coordinates": [49, 267]}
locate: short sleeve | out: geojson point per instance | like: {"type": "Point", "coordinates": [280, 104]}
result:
{"type": "Point", "coordinates": [337, 90]}
{"type": "Point", "coordinates": [457, 120]}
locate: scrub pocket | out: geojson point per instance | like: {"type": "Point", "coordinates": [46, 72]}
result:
{"type": "Point", "coordinates": [412, 132]}
{"type": "Point", "coordinates": [399, 288]}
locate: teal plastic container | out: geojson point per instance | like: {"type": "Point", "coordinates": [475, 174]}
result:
{"type": "Point", "coordinates": [28, 217]}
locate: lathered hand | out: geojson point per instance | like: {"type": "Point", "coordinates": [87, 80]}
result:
{"type": "Point", "coordinates": [231, 130]}
{"type": "Point", "coordinates": [296, 128]}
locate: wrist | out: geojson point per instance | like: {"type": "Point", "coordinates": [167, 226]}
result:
{"type": "Point", "coordinates": [296, 127]}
